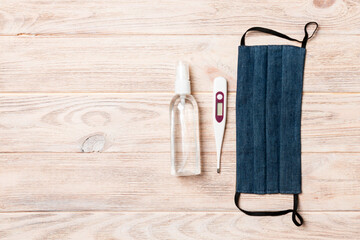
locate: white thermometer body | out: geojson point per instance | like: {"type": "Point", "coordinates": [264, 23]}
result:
{"type": "Point", "coordinates": [219, 114]}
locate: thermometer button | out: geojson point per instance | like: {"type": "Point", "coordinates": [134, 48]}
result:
{"type": "Point", "coordinates": [219, 96]}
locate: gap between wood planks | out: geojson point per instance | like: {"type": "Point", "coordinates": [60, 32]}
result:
{"type": "Point", "coordinates": [157, 211]}
{"type": "Point", "coordinates": [332, 152]}
{"type": "Point", "coordinates": [155, 92]}
{"type": "Point", "coordinates": [92, 35]}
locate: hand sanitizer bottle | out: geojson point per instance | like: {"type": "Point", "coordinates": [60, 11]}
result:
{"type": "Point", "coordinates": [184, 118]}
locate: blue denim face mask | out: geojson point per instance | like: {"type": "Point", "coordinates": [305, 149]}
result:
{"type": "Point", "coordinates": [268, 120]}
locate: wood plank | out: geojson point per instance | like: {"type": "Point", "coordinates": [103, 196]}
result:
{"type": "Point", "coordinates": [140, 123]}
{"type": "Point", "coordinates": [142, 182]}
{"type": "Point", "coordinates": [331, 225]}
{"type": "Point", "coordinates": [171, 17]}
{"type": "Point", "coordinates": [147, 63]}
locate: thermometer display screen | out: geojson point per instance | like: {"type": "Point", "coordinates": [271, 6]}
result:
{"type": "Point", "coordinates": [219, 109]}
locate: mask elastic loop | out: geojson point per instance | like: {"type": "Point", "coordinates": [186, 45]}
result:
{"type": "Point", "coordinates": [306, 37]}
{"type": "Point", "coordinates": [295, 214]}
{"type": "Point", "coordinates": [278, 34]}
{"type": "Point", "coordinates": [268, 31]}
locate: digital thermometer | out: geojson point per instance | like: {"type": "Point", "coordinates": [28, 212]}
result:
{"type": "Point", "coordinates": [219, 113]}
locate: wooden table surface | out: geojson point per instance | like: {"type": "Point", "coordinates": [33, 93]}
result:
{"type": "Point", "coordinates": [85, 88]}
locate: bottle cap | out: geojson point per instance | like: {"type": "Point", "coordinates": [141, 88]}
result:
{"type": "Point", "coordinates": [182, 83]}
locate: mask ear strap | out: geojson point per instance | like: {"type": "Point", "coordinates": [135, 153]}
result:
{"type": "Point", "coordinates": [268, 31]}
{"type": "Point", "coordinates": [306, 37]}
{"type": "Point", "coordinates": [278, 34]}
{"type": "Point", "coordinates": [295, 214]}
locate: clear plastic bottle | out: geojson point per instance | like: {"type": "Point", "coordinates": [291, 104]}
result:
{"type": "Point", "coordinates": [184, 117]}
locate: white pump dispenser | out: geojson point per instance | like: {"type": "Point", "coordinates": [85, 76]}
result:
{"type": "Point", "coordinates": [182, 83]}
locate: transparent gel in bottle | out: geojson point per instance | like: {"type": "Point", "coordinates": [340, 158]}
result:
{"type": "Point", "coordinates": [184, 121]}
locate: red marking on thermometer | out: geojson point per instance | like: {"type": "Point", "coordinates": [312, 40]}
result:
{"type": "Point", "coordinates": [219, 105]}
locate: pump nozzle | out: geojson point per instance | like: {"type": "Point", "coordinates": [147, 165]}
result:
{"type": "Point", "coordinates": [182, 83]}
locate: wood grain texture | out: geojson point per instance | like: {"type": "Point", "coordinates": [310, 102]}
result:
{"type": "Point", "coordinates": [209, 226]}
{"type": "Point", "coordinates": [84, 95]}
{"type": "Point", "coordinates": [147, 63]}
{"type": "Point", "coordinates": [174, 17]}
{"type": "Point", "coordinates": [142, 182]}
{"type": "Point", "coordinates": [140, 122]}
